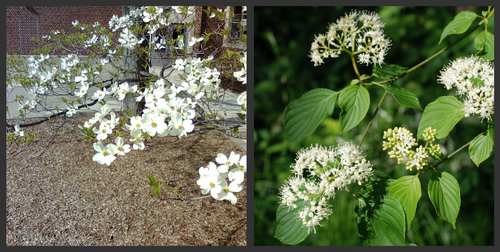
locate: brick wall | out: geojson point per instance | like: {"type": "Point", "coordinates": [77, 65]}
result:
{"type": "Point", "coordinates": [22, 24]}
{"type": "Point", "coordinates": [208, 24]}
{"type": "Point", "coordinates": [215, 42]}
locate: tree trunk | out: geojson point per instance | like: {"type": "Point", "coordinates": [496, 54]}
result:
{"type": "Point", "coordinates": [142, 66]}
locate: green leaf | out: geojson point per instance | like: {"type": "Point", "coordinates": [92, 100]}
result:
{"type": "Point", "coordinates": [290, 229]}
{"type": "Point", "coordinates": [152, 180]}
{"type": "Point", "coordinates": [365, 77]}
{"type": "Point", "coordinates": [64, 99]}
{"type": "Point", "coordinates": [354, 102]}
{"type": "Point", "coordinates": [388, 225]}
{"type": "Point", "coordinates": [481, 146]}
{"type": "Point", "coordinates": [242, 116]}
{"type": "Point", "coordinates": [302, 116]}
{"type": "Point", "coordinates": [381, 174]}
{"type": "Point", "coordinates": [176, 192]}
{"type": "Point", "coordinates": [381, 218]}
{"type": "Point", "coordinates": [407, 190]}
{"type": "Point", "coordinates": [442, 114]}
{"type": "Point", "coordinates": [444, 192]}
{"type": "Point", "coordinates": [459, 25]}
{"type": "Point", "coordinates": [388, 71]}
{"type": "Point", "coordinates": [491, 129]}
{"type": "Point", "coordinates": [486, 41]}
{"type": "Point", "coordinates": [403, 96]}
{"type": "Point", "coordinates": [157, 190]}
{"type": "Point", "coordinates": [354, 82]}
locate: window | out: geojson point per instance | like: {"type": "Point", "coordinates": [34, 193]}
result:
{"type": "Point", "coordinates": [167, 33]}
{"type": "Point", "coordinates": [28, 28]}
{"type": "Point", "coordinates": [235, 16]}
{"type": "Point", "coordinates": [180, 35]}
{"type": "Point", "coordinates": [240, 17]}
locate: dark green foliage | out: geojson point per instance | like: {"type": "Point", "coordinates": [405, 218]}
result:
{"type": "Point", "coordinates": [284, 72]}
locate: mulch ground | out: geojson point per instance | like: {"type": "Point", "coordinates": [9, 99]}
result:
{"type": "Point", "coordinates": [56, 194]}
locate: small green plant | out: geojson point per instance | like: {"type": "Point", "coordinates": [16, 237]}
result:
{"type": "Point", "coordinates": [155, 184]}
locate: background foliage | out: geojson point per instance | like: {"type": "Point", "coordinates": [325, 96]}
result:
{"type": "Point", "coordinates": [283, 72]}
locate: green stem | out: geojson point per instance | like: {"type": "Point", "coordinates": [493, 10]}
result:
{"type": "Point", "coordinates": [430, 58]}
{"type": "Point", "coordinates": [433, 166]}
{"type": "Point", "coordinates": [347, 190]}
{"type": "Point", "coordinates": [355, 67]}
{"type": "Point", "coordinates": [373, 117]}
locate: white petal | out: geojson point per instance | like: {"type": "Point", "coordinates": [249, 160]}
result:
{"type": "Point", "coordinates": [221, 158]}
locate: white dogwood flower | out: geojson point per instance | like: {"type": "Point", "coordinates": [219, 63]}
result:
{"type": "Point", "coordinates": [105, 155]}
{"type": "Point", "coordinates": [227, 162]}
{"type": "Point", "coordinates": [120, 148]}
{"type": "Point", "coordinates": [137, 139]}
{"type": "Point", "coordinates": [103, 132]}
{"type": "Point", "coordinates": [358, 32]}
{"type": "Point", "coordinates": [227, 191]}
{"type": "Point", "coordinates": [474, 80]}
{"type": "Point", "coordinates": [328, 169]}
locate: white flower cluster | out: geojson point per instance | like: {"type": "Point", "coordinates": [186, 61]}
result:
{"type": "Point", "coordinates": [106, 155]}
{"type": "Point", "coordinates": [44, 71]}
{"type": "Point", "coordinates": [242, 101]}
{"type": "Point", "coordinates": [96, 35]}
{"type": "Point", "coordinates": [358, 32]}
{"type": "Point", "coordinates": [165, 112]}
{"type": "Point", "coordinates": [128, 39]}
{"type": "Point", "coordinates": [169, 107]}
{"type": "Point", "coordinates": [213, 178]}
{"type": "Point", "coordinates": [17, 136]}
{"type": "Point", "coordinates": [242, 76]}
{"type": "Point", "coordinates": [474, 79]}
{"type": "Point", "coordinates": [184, 9]}
{"type": "Point", "coordinates": [116, 23]}
{"type": "Point", "coordinates": [154, 17]}
{"type": "Point", "coordinates": [318, 173]}
{"type": "Point", "coordinates": [401, 142]}
{"type": "Point", "coordinates": [47, 74]}
{"type": "Point", "coordinates": [18, 132]}
{"type": "Point", "coordinates": [200, 79]}
{"type": "Point", "coordinates": [218, 12]}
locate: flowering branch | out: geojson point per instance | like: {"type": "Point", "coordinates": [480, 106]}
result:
{"type": "Point", "coordinates": [429, 59]}
{"type": "Point", "coordinates": [373, 117]}
{"type": "Point", "coordinates": [433, 166]}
